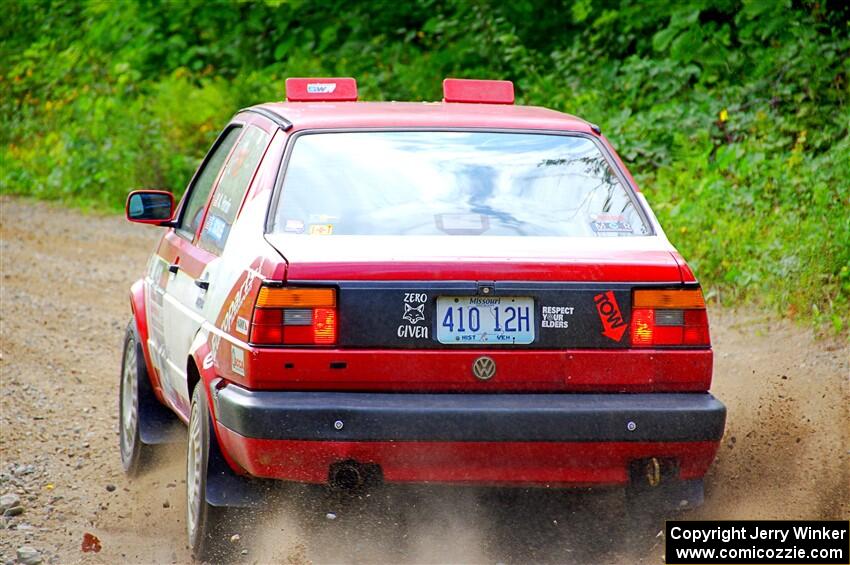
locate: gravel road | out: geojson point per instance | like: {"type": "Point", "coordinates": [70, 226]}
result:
{"type": "Point", "coordinates": [63, 310]}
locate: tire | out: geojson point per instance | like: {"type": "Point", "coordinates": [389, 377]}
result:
{"type": "Point", "coordinates": [134, 454]}
{"type": "Point", "coordinates": [203, 521]}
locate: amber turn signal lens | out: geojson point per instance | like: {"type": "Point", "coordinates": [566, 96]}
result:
{"type": "Point", "coordinates": [271, 297]}
{"type": "Point", "coordinates": [661, 299]}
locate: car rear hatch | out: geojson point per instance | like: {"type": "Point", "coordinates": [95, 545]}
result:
{"type": "Point", "coordinates": [457, 292]}
{"type": "Point", "coordinates": [565, 316]}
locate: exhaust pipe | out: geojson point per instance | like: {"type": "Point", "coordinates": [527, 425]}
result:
{"type": "Point", "coordinates": [346, 475]}
{"type": "Point", "coordinates": [651, 472]}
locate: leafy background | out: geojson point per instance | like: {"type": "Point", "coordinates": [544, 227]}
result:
{"type": "Point", "coordinates": [733, 115]}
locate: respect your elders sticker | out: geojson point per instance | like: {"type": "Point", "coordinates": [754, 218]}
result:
{"type": "Point", "coordinates": [555, 316]}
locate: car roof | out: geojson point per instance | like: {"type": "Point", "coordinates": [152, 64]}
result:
{"type": "Point", "coordinates": [439, 115]}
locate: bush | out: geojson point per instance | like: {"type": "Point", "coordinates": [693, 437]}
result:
{"type": "Point", "coordinates": [732, 115]}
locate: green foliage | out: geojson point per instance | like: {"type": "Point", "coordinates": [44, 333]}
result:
{"type": "Point", "coordinates": [733, 115]}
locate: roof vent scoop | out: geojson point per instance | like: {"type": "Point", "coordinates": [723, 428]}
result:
{"type": "Point", "coordinates": [469, 91]}
{"type": "Point", "coordinates": [321, 90]}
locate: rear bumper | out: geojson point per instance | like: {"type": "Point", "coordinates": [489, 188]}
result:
{"type": "Point", "coordinates": [341, 416]}
{"type": "Point", "coordinates": [564, 439]}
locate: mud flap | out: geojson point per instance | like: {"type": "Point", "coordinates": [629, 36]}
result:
{"type": "Point", "coordinates": [227, 489]}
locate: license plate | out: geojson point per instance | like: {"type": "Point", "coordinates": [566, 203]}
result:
{"type": "Point", "coordinates": [475, 319]}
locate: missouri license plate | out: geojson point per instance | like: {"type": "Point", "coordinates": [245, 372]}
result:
{"type": "Point", "coordinates": [503, 320]}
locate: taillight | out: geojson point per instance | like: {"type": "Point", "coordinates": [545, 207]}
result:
{"type": "Point", "coordinates": [294, 316]}
{"type": "Point", "coordinates": [669, 317]}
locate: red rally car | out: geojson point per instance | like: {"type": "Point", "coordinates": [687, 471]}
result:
{"type": "Point", "coordinates": [465, 291]}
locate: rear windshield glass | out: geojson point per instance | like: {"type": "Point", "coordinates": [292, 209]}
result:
{"type": "Point", "coordinates": [453, 183]}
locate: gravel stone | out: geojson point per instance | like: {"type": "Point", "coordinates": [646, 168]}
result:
{"type": "Point", "coordinates": [9, 500]}
{"type": "Point", "coordinates": [24, 470]}
{"type": "Point", "coordinates": [28, 555]}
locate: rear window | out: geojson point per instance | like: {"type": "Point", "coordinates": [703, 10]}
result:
{"type": "Point", "coordinates": [453, 183]}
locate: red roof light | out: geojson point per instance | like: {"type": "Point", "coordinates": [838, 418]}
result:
{"type": "Point", "coordinates": [321, 89]}
{"type": "Point", "coordinates": [471, 91]}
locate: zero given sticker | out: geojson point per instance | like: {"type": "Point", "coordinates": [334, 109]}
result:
{"type": "Point", "coordinates": [414, 314]}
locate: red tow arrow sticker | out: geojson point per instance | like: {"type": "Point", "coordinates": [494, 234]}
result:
{"type": "Point", "coordinates": [609, 313]}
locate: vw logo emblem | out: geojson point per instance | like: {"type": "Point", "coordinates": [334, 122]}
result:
{"type": "Point", "coordinates": [484, 368]}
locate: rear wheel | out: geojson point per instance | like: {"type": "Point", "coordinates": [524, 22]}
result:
{"type": "Point", "coordinates": [202, 519]}
{"type": "Point", "coordinates": [134, 454]}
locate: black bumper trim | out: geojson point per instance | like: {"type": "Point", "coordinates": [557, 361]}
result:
{"type": "Point", "coordinates": [347, 416]}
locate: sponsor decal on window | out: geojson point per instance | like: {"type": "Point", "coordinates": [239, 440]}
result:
{"type": "Point", "coordinates": [610, 223]}
{"type": "Point", "coordinates": [294, 226]}
{"type": "Point", "coordinates": [321, 229]}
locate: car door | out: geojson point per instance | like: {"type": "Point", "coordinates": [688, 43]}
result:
{"type": "Point", "coordinates": [186, 291]}
{"type": "Point", "coordinates": [164, 266]}
{"type": "Point", "coordinates": [178, 264]}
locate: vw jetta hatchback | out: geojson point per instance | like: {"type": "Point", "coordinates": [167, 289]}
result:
{"type": "Point", "coordinates": [467, 292]}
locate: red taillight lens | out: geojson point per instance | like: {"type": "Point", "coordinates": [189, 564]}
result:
{"type": "Point", "coordinates": [696, 328]}
{"type": "Point", "coordinates": [663, 317]}
{"type": "Point", "coordinates": [268, 317]}
{"type": "Point", "coordinates": [297, 335]}
{"type": "Point", "coordinates": [267, 335]}
{"type": "Point", "coordinates": [308, 318]}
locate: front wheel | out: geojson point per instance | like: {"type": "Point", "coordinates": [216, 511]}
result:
{"type": "Point", "coordinates": [202, 519]}
{"type": "Point", "coordinates": [133, 452]}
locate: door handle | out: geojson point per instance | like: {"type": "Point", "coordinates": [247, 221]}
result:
{"type": "Point", "coordinates": [173, 268]}
{"type": "Point", "coordinates": [203, 285]}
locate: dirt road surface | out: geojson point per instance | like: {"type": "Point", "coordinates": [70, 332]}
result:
{"type": "Point", "coordinates": [63, 310]}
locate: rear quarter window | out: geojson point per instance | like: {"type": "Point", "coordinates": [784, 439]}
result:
{"type": "Point", "coordinates": [231, 189]}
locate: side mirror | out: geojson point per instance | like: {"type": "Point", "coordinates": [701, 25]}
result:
{"type": "Point", "coordinates": [150, 207]}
